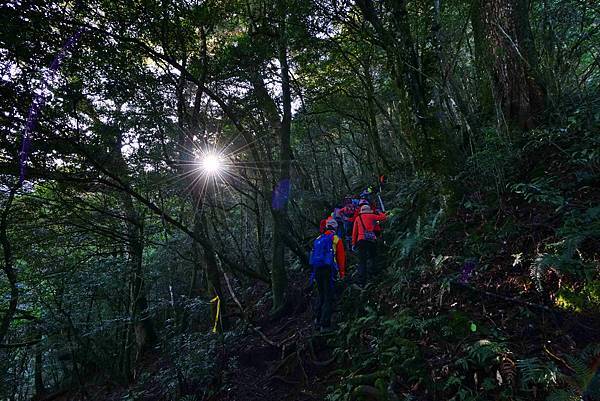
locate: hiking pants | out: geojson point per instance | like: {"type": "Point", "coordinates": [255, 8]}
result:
{"type": "Point", "coordinates": [341, 228]}
{"type": "Point", "coordinates": [325, 302]}
{"type": "Point", "coordinates": [348, 230]}
{"type": "Point", "coordinates": [366, 260]}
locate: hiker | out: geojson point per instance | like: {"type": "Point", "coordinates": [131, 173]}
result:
{"type": "Point", "coordinates": [348, 218]}
{"type": "Point", "coordinates": [364, 240]}
{"type": "Point", "coordinates": [361, 203]}
{"type": "Point", "coordinates": [367, 194]}
{"type": "Point", "coordinates": [368, 197]}
{"type": "Point", "coordinates": [326, 259]}
{"type": "Point", "coordinates": [323, 223]}
{"type": "Point", "coordinates": [374, 209]}
{"type": "Point", "coordinates": [337, 215]}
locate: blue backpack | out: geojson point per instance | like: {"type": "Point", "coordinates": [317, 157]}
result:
{"type": "Point", "coordinates": [322, 254]}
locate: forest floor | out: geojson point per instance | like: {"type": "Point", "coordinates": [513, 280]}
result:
{"type": "Point", "coordinates": [286, 359]}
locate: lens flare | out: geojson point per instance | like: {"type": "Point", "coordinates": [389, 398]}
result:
{"type": "Point", "coordinates": [215, 173]}
{"type": "Point", "coordinates": [211, 163]}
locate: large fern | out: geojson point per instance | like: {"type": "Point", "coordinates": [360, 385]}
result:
{"type": "Point", "coordinates": [584, 382]}
{"type": "Point", "coordinates": [484, 352]}
{"type": "Point", "coordinates": [413, 241]}
{"type": "Point", "coordinates": [534, 372]}
{"type": "Point", "coordinates": [564, 395]}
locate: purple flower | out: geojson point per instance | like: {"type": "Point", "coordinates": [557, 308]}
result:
{"type": "Point", "coordinates": [467, 270]}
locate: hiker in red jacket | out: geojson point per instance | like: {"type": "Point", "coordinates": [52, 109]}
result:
{"type": "Point", "coordinates": [364, 240]}
{"type": "Point", "coordinates": [361, 203]}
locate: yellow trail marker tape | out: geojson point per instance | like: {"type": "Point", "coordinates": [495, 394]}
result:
{"type": "Point", "coordinates": [218, 301]}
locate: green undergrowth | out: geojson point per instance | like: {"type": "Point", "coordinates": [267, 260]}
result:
{"type": "Point", "coordinates": [486, 295]}
{"type": "Point", "coordinates": [389, 352]}
{"type": "Point", "coordinates": [193, 366]}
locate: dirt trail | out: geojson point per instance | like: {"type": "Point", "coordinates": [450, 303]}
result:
{"type": "Point", "coordinates": [285, 359]}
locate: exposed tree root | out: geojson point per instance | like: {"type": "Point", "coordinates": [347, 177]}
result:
{"type": "Point", "coordinates": [364, 392]}
{"type": "Point", "coordinates": [326, 362]}
{"type": "Point", "coordinates": [367, 378]}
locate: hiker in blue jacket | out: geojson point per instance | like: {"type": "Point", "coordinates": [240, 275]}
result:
{"type": "Point", "coordinates": [327, 259]}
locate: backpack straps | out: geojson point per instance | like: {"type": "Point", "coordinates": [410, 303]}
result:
{"type": "Point", "coordinates": [363, 225]}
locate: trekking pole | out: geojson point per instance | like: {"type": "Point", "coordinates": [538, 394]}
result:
{"type": "Point", "coordinates": [381, 202]}
{"type": "Point", "coordinates": [379, 195]}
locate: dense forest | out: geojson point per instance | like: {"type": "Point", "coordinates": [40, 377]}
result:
{"type": "Point", "coordinates": [165, 166]}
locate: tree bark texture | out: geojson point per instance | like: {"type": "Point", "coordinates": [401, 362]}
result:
{"type": "Point", "coordinates": [139, 314]}
{"type": "Point", "coordinates": [213, 280]}
{"type": "Point", "coordinates": [431, 145]}
{"type": "Point", "coordinates": [8, 268]}
{"type": "Point", "coordinates": [506, 52]}
{"type": "Point", "coordinates": [138, 304]}
{"type": "Point", "coordinates": [279, 207]}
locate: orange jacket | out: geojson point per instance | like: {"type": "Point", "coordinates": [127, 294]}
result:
{"type": "Point", "coordinates": [340, 253]}
{"type": "Point", "coordinates": [366, 221]}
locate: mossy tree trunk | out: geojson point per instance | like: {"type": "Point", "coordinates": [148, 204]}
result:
{"type": "Point", "coordinates": [8, 267]}
{"type": "Point", "coordinates": [139, 314]}
{"type": "Point", "coordinates": [283, 187]}
{"type": "Point", "coordinates": [507, 58]}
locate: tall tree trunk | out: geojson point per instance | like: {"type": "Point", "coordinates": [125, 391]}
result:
{"type": "Point", "coordinates": [213, 280]}
{"type": "Point", "coordinates": [138, 308]}
{"type": "Point", "coordinates": [431, 145]}
{"type": "Point", "coordinates": [8, 267]}
{"type": "Point", "coordinates": [196, 287]}
{"type": "Point", "coordinates": [139, 314]}
{"type": "Point", "coordinates": [505, 51]}
{"type": "Point", "coordinates": [204, 258]}
{"type": "Point", "coordinates": [283, 187]}
{"type": "Point", "coordinates": [381, 161]}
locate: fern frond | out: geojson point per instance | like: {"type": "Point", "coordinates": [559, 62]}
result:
{"type": "Point", "coordinates": [564, 395]}
{"type": "Point", "coordinates": [533, 371]}
{"type": "Point", "coordinates": [508, 370]}
{"type": "Point", "coordinates": [582, 373]}
{"type": "Point", "coordinates": [591, 352]}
